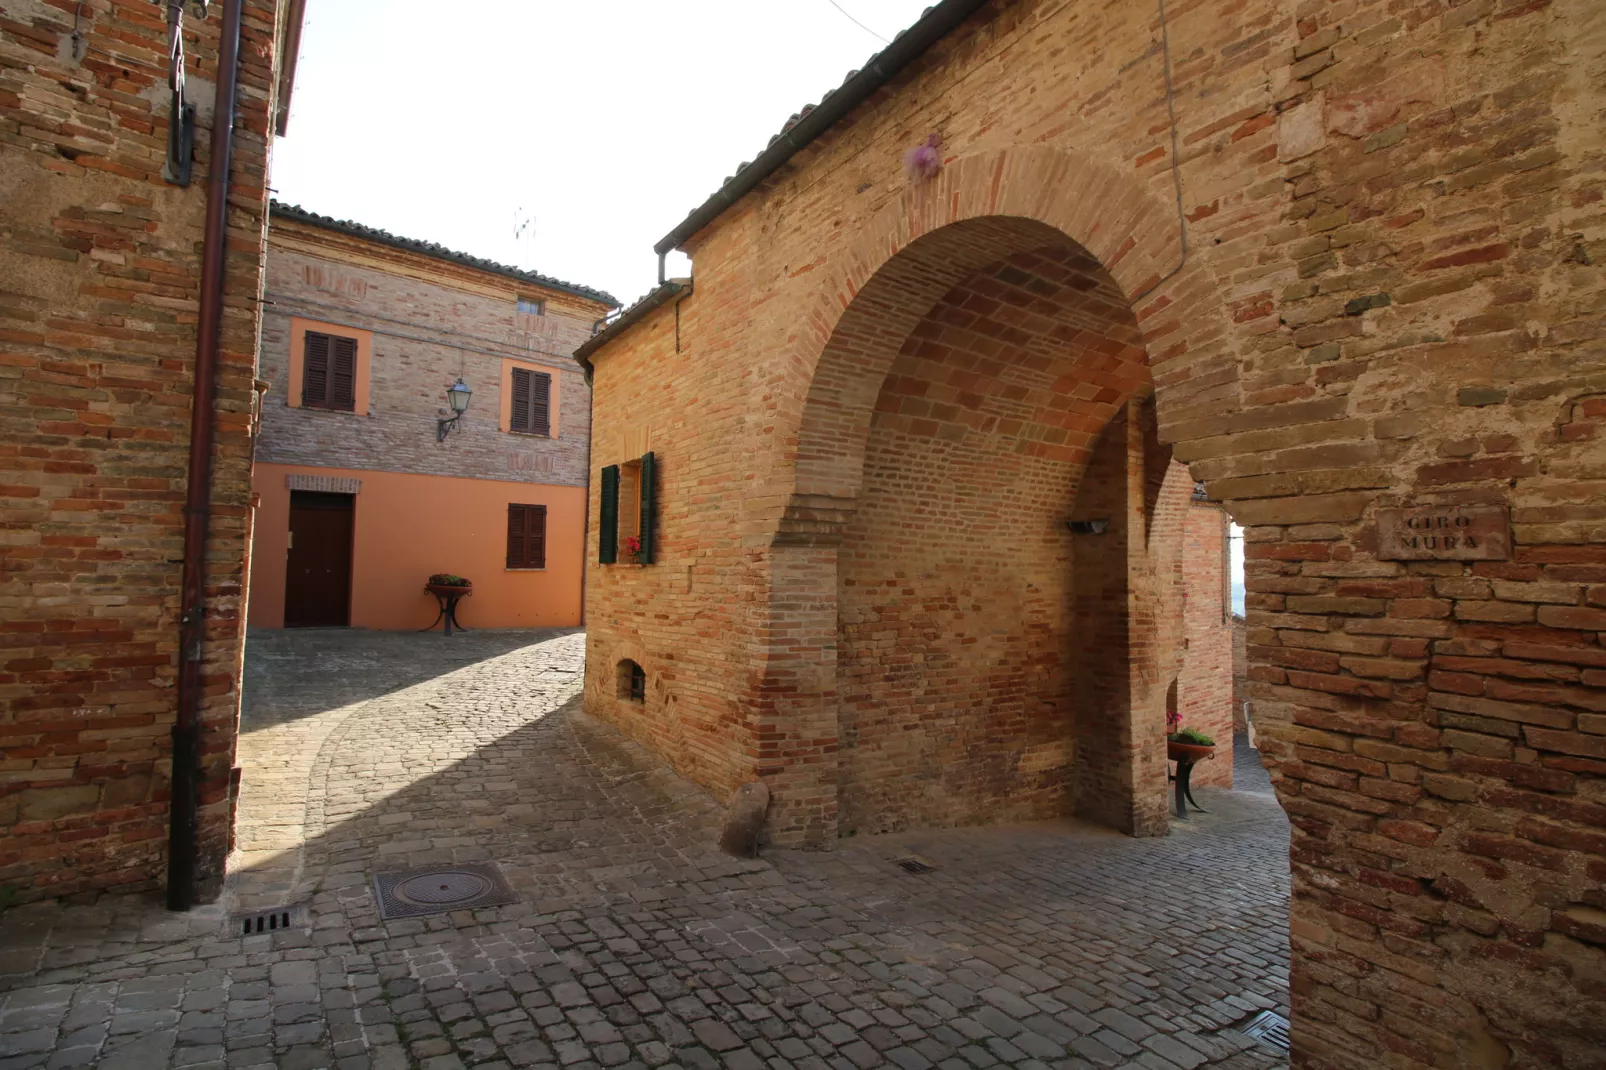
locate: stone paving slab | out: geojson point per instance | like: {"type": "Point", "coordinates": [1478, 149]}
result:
{"type": "Point", "coordinates": [634, 943]}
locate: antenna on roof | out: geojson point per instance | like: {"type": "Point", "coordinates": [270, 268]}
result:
{"type": "Point", "coordinates": [859, 24]}
{"type": "Point", "coordinates": [523, 238]}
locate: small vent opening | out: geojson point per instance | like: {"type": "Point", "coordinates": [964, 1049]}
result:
{"type": "Point", "coordinates": [914, 864]}
{"type": "Point", "coordinates": [276, 919]}
{"type": "Point", "coordinates": [1270, 1028]}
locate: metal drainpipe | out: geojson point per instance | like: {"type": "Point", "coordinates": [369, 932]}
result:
{"type": "Point", "coordinates": [182, 832]}
{"type": "Point", "coordinates": [585, 524]}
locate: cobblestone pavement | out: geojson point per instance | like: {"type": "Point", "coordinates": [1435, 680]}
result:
{"type": "Point", "coordinates": [634, 943]}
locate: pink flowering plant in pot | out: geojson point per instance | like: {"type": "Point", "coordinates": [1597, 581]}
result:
{"type": "Point", "coordinates": [632, 549]}
{"type": "Point", "coordinates": [1186, 742]}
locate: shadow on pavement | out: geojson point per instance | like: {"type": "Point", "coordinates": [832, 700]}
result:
{"type": "Point", "coordinates": [634, 941]}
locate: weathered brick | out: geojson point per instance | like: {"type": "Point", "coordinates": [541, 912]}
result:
{"type": "Point", "coordinates": [1580, 617]}
{"type": "Point", "coordinates": [1579, 743]}
{"type": "Point", "coordinates": [1558, 593]}
{"type": "Point", "coordinates": [1500, 612]}
{"type": "Point", "coordinates": [1520, 713]}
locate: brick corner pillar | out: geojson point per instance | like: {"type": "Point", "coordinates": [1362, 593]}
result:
{"type": "Point", "coordinates": [1129, 610]}
{"type": "Point", "coordinates": [794, 673]}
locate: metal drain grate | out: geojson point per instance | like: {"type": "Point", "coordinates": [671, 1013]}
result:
{"type": "Point", "coordinates": [1270, 1028]}
{"type": "Point", "coordinates": [438, 889]}
{"type": "Point", "coordinates": [914, 864]}
{"type": "Point", "coordinates": [274, 920]}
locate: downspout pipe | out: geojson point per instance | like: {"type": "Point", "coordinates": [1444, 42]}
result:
{"type": "Point", "coordinates": [183, 832]}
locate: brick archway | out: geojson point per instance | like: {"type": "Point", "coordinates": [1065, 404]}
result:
{"type": "Point", "coordinates": [996, 203]}
{"type": "Point", "coordinates": [983, 217]}
{"type": "Point", "coordinates": [980, 212]}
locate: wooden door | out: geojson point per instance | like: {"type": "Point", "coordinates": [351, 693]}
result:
{"type": "Point", "coordinates": [317, 584]}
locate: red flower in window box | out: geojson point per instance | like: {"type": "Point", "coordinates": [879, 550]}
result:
{"type": "Point", "coordinates": [632, 548]}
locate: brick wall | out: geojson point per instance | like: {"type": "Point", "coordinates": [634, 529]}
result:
{"type": "Point", "coordinates": [99, 288]}
{"type": "Point", "coordinates": [431, 321]}
{"type": "Point", "coordinates": [1392, 296]}
{"type": "Point", "coordinates": [1205, 686]}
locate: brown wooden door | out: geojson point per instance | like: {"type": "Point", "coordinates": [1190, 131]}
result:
{"type": "Point", "coordinates": [317, 584]}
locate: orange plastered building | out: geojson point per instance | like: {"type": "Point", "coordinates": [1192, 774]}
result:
{"type": "Point", "coordinates": [367, 479]}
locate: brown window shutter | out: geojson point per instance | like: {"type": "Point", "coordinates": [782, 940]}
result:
{"type": "Point", "coordinates": [532, 403]}
{"type": "Point", "coordinates": [541, 403]}
{"type": "Point", "coordinates": [315, 370]}
{"type": "Point", "coordinates": [535, 536]}
{"type": "Point", "coordinates": [515, 536]}
{"type": "Point", "coordinates": [520, 412]}
{"type": "Point", "coordinates": [343, 374]}
{"type": "Point", "coordinates": [526, 536]}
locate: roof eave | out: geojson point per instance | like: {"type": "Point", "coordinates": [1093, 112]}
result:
{"type": "Point", "coordinates": [296, 214]}
{"type": "Point", "coordinates": [287, 71]}
{"type": "Point", "coordinates": [629, 318]}
{"type": "Point", "coordinates": [937, 23]}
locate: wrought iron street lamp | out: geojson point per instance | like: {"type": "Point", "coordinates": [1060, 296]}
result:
{"type": "Point", "coordinates": [457, 396]}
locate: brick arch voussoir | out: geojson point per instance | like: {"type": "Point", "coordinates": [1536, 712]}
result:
{"type": "Point", "coordinates": [1132, 233]}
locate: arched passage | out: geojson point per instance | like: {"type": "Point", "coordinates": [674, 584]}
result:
{"type": "Point", "coordinates": [984, 649]}
{"type": "Point", "coordinates": [981, 378]}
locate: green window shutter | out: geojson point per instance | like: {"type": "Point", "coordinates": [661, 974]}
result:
{"type": "Point", "coordinates": [649, 476]}
{"type": "Point", "coordinates": [608, 524]}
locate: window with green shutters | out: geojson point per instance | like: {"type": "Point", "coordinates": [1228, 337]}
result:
{"type": "Point", "coordinates": [629, 510]}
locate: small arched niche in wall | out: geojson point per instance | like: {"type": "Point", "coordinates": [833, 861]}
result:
{"type": "Point", "coordinates": [632, 684]}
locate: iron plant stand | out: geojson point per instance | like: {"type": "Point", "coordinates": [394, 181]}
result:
{"type": "Point", "coordinates": [448, 597]}
{"type": "Point", "coordinates": [1184, 774]}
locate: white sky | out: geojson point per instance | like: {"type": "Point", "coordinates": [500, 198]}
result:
{"type": "Point", "coordinates": [1235, 563]}
{"type": "Point", "coordinates": [609, 121]}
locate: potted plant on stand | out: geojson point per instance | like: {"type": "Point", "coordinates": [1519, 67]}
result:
{"type": "Point", "coordinates": [1186, 747]}
{"type": "Point", "coordinates": [448, 588]}
{"type": "Point", "coordinates": [449, 583]}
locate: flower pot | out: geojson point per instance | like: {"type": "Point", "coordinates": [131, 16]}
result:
{"type": "Point", "coordinates": [1191, 752]}
{"type": "Point", "coordinates": [446, 590]}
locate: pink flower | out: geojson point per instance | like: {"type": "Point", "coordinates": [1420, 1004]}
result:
{"type": "Point", "coordinates": [924, 161]}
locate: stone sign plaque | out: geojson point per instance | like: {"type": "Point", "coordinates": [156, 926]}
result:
{"type": "Point", "coordinates": [1444, 533]}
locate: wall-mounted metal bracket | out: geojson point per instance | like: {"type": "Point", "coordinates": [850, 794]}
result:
{"type": "Point", "coordinates": [180, 142]}
{"type": "Point", "coordinates": [181, 117]}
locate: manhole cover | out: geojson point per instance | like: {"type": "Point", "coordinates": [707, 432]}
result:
{"type": "Point", "coordinates": [437, 889]}
{"type": "Point", "coordinates": [914, 864]}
